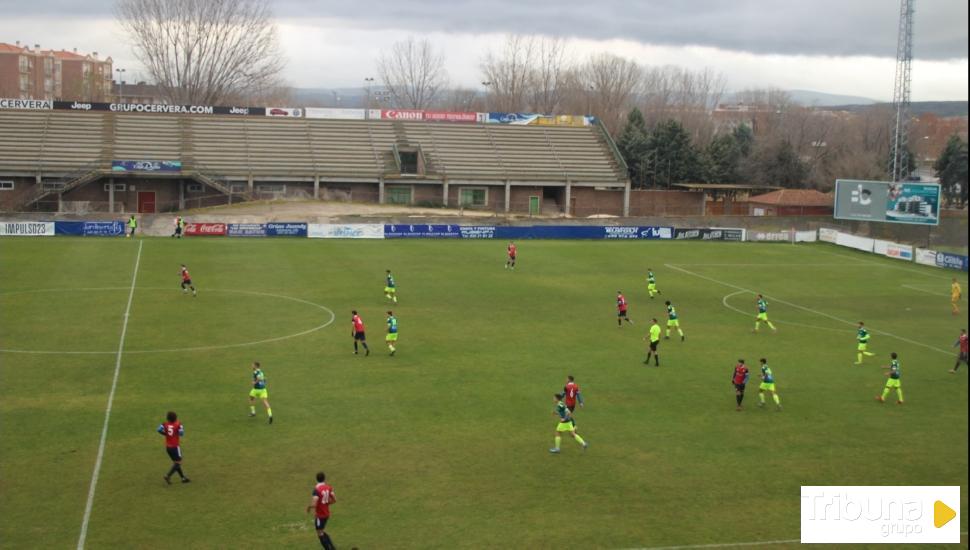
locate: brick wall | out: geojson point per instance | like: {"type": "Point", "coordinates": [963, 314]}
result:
{"type": "Point", "coordinates": [644, 202]}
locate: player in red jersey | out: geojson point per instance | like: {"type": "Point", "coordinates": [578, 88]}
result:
{"type": "Point", "coordinates": [322, 498]}
{"type": "Point", "coordinates": [186, 280]}
{"type": "Point", "coordinates": [739, 379]}
{"type": "Point", "coordinates": [962, 342]}
{"type": "Point", "coordinates": [510, 263]}
{"type": "Point", "coordinates": [621, 310]}
{"type": "Point", "coordinates": [358, 333]}
{"type": "Point", "coordinates": [172, 429]}
{"type": "Point", "coordinates": [571, 394]}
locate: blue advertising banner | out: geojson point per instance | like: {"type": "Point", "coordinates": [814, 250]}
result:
{"type": "Point", "coordinates": [422, 231]}
{"type": "Point", "coordinates": [165, 166]}
{"type": "Point", "coordinates": [246, 230]}
{"type": "Point", "coordinates": [951, 261]}
{"type": "Point", "coordinates": [528, 232]}
{"type": "Point", "coordinates": [90, 229]}
{"type": "Point", "coordinates": [286, 229]}
{"type": "Point", "coordinates": [512, 118]}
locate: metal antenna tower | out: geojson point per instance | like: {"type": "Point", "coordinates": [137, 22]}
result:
{"type": "Point", "coordinates": [901, 93]}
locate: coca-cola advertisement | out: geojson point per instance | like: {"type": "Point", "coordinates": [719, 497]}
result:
{"type": "Point", "coordinates": [402, 114]}
{"type": "Point", "coordinates": [450, 116]}
{"type": "Point", "coordinates": [205, 229]}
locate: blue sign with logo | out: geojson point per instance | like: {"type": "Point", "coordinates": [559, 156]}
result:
{"type": "Point", "coordinates": [951, 261]}
{"type": "Point", "coordinates": [90, 229]}
{"type": "Point", "coordinates": [286, 229]}
{"type": "Point", "coordinates": [246, 230]}
{"type": "Point", "coordinates": [528, 232]}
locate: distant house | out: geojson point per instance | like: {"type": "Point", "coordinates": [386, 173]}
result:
{"type": "Point", "coordinates": [791, 202]}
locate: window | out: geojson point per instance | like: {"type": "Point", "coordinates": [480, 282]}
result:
{"type": "Point", "coordinates": [24, 83]}
{"type": "Point", "coordinates": [48, 66]}
{"type": "Point", "coordinates": [48, 85]}
{"type": "Point", "coordinates": [196, 187]}
{"type": "Point", "coordinates": [23, 64]}
{"type": "Point", "coordinates": [473, 196]}
{"type": "Point", "coordinates": [397, 194]}
{"type": "Point", "coordinates": [271, 188]}
{"type": "Point", "coordinates": [6, 185]}
{"type": "Point", "coordinates": [118, 187]}
{"type": "Point", "coordinates": [238, 187]}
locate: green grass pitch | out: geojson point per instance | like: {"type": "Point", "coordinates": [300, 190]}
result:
{"type": "Point", "coordinates": [446, 444]}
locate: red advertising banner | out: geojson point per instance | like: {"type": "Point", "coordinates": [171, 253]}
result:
{"type": "Point", "coordinates": [205, 229]}
{"type": "Point", "coordinates": [449, 116]}
{"type": "Point", "coordinates": [402, 114]}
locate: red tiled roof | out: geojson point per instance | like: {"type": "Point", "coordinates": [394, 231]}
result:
{"type": "Point", "coordinates": [10, 48]}
{"type": "Point", "coordinates": [64, 54]}
{"type": "Point", "coordinates": [794, 197]}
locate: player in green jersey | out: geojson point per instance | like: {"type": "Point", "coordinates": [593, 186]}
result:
{"type": "Point", "coordinates": [651, 283]}
{"type": "Point", "coordinates": [893, 383]}
{"type": "Point", "coordinates": [767, 385]}
{"type": "Point", "coordinates": [566, 424]}
{"type": "Point", "coordinates": [390, 287]}
{"type": "Point", "coordinates": [654, 337]}
{"type": "Point", "coordinates": [259, 392]}
{"type": "Point", "coordinates": [673, 321]}
{"type": "Point", "coordinates": [391, 337]}
{"type": "Point", "coordinates": [862, 335]}
{"type": "Point", "coordinates": [762, 315]}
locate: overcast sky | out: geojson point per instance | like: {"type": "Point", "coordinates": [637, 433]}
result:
{"type": "Point", "coordinates": [835, 46]}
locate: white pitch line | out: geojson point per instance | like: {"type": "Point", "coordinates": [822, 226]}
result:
{"type": "Point", "coordinates": [810, 310]}
{"type": "Point", "coordinates": [107, 410]}
{"type": "Point", "coordinates": [911, 287]}
{"type": "Point", "coordinates": [720, 545]}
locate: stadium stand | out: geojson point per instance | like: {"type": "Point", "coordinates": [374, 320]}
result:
{"type": "Point", "coordinates": [55, 154]}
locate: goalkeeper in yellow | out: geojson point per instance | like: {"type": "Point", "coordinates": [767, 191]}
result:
{"type": "Point", "coordinates": [862, 336]}
{"type": "Point", "coordinates": [893, 382]}
{"type": "Point", "coordinates": [955, 294]}
{"type": "Point", "coordinates": [767, 385]}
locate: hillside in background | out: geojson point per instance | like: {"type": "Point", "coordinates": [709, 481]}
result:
{"type": "Point", "coordinates": [938, 108]}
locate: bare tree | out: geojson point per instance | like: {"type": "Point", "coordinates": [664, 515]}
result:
{"type": "Point", "coordinates": [548, 75]}
{"type": "Point", "coordinates": [509, 74]}
{"type": "Point", "coordinates": [614, 82]}
{"type": "Point", "coordinates": [413, 72]}
{"type": "Point", "coordinates": [204, 51]}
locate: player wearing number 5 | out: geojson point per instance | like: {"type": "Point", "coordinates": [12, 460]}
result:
{"type": "Point", "coordinates": [173, 430]}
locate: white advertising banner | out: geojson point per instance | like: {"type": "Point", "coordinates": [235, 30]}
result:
{"type": "Point", "coordinates": [806, 236]}
{"type": "Point", "coordinates": [827, 235]}
{"type": "Point", "coordinates": [893, 250]}
{"type": "Point", "coordinates": [336, 114]}
{"type": "Point", "coordinates": [926, 256]}
{"type": "Point", "coordinates": [27, 229]}
{"type": "Point", "coordinates": [859, 243]}
{"type": "Point", "coordinates": [29, 104]}
{"type": "Point", "coordinates": [880, 514]}
{"type": "Point", "coordinates": [286, 112]}
{"type": "Point", "coordinates": [345, 231]}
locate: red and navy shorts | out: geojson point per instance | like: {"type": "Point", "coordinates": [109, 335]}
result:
{"type": "Point", "coordinates": [320, 523]}
{"type": "Point", "coordinates": [175, 453]}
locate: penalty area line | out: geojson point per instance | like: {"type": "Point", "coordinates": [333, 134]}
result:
{"type": "Point", "coordinates": [810, 310]}
{"type": "Point", "coordinates": [107, 411]}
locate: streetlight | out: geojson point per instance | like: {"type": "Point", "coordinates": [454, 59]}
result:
{"type": "Point", "coordinates": [486, 84]}
{"type": "Point", "coordinates": [369, 80]}
{"type": "Point", "coordinates": [121, 84]}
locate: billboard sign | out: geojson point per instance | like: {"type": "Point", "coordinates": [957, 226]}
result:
{"type": "Point", "coordinates": [286, 229]}
{"type": "Point", "coordinates": [450, 116]}
{"type": "Point", "coordinates": [165, 166]}
{"type": "Point", "coordinates": [335, 114]}
{"type": "Point", "coordinates": [29, 104]}
{"type": "Point", "coordinates": [285, 112]}
{"type": "Point", "coordinates": [402, 114]}
{"type": "Point", "coordinates": [881, 201]}
{"type": "Point", "coordinates": [346, 231]}
{"type": "Point", "coordinates": [27, 229]}
{"type": "Point", "coordinates": [205, 229]}
{"type": "Point", "coordinates": [246, 230]}
{"type": "Point", "coordinates": [710, 234]}
{"type": "Point", "coordinates": [512, 118]}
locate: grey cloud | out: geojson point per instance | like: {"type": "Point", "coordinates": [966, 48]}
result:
{"type": "Point", "coordinates": [786, 27]}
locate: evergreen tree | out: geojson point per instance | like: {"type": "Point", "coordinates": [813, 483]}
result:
{"type": "Point", "coordinates": [951, 168]}
{"type": "Point", "coordinates": [672, 157]}
{"type": "Point", "coordinates": [781, 165]}
{"type": "Point", "coordinates": [633, 144]}
{"type": "Point", "coordinates": [723, 159]}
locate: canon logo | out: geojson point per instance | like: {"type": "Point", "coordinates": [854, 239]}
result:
{"type": "Point", "coordinates": [406, 115]}
{"type": "Point", "coordinates": [81, 106]}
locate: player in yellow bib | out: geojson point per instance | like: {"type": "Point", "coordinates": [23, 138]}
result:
{"type": "Point", "coordinates": [259, 392]}
{"type": "Point", "coordinates": [955, 294]}
{"type": "Point", "coordinates": [862, 336]}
